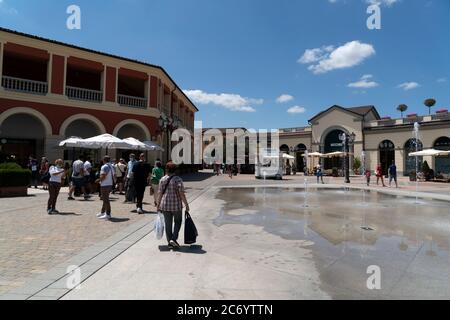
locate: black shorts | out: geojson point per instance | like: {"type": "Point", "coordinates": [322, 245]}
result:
{"type": "Point", "coordinates": [78, 182]}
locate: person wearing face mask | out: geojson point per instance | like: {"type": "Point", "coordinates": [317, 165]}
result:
{"type": "Point", "coordinates": [57, 174]}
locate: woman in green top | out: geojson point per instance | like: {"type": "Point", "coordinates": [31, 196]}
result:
{"type": "Point", "coordinates": [157, 174]}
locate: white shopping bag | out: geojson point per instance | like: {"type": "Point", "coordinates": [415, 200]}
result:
{"type": "Point", "coordinates": [159, 226]}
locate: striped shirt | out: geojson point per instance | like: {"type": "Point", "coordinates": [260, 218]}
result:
{"type": "Point", "coordinates": [171, 200]}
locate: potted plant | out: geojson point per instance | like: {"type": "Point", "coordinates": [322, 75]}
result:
{"type": "Point", "coordinates": [412, 176]}
{"type": "Point", "coordinates": [335, 172]}
{"type": "Point", "coordinates": [14, 180]}
{"type": "Point", "coordinates": [356, 165]}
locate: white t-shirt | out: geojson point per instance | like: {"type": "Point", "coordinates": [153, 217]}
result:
{"type": "Point", "coordinates": [87, 169]}
{"type": "Point", "coordinates": [108, 170]}
{"type": "Point", "coordinates": [56, 178]}
{"type": "Point", "coordinates": [77, 167]}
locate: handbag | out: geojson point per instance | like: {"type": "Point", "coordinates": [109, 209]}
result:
{"type": "Point", "coordinates": [190, 230]}
{"type": "Point", "coordinates": [46, 177]}
{"type": "Point", "coordinates": [159, 226]}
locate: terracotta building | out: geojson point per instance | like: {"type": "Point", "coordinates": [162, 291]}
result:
{"type": "Point", "coordinates": [51, 90]}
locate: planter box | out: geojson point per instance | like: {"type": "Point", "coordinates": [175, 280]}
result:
{"type": "Point", "coordinates": [9, 192]}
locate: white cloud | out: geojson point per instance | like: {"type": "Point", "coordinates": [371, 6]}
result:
{"type": "Point", "coordinates": [6, 8]}
{"type": "Point", "coordinates": [441, 80]}
{"type": "Point", "coordinates": [284, 98]}
{"type": "Point", "coordinates": [387, 3]}
{"type": "Point", "coordinates": [233, 102]}
{"type": "Point", "coordinates": [349, 55]}
{"type": "Point", "coordinates": [296, 109]}
{"type": "Point", "coordinates": [408, 86]}
{"type": "Point", "coordinates": [365, 82]}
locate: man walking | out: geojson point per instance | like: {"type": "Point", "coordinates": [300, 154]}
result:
{"type": "Point", "coordinates": [33, 166]}
{"type": "Point", "coordinates": [130, 193]}
{"type": "Point", "coordinates": [78, 178]}
{"type": "Point", "coordinates": [141, 172]}
{"type": "Point", "coordinates": [106, 184]}
{"type": "Point", "coordinates": [393, 174]}
{"type": "Point", "coordinates": [87, 167]}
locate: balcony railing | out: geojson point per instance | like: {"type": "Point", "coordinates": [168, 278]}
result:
{"type": "Point", "coordinates": [84, 94]}
{"type": "Point", "coordinates": [23, 85]}
{"type": "Point", "coordinates": [133, 102]}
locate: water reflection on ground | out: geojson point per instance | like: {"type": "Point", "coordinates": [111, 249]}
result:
{"type": "Point", "coordinates": [406, 238]}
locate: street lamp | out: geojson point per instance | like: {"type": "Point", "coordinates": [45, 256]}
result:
{"type": "Point", "coordinates": [347, 140]}
{"type": "Point", "coordinates": [166, 125]}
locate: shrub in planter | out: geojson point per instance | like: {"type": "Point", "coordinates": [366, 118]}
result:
{"type": "Point", "coordinates": [13, 180]}
{"type": "Point", "coordinates": [335, 172]}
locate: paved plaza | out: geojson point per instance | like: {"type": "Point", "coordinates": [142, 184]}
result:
{"type": "Point", "coordinates": [244, 250]}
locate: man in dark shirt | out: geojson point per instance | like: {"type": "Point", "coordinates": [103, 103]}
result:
{"type": "Point", "coordinates": [393, 174]}
{"type": "Point", "coordinates": [141, 172]}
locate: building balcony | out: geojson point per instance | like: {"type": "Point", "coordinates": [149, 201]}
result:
{"type": "Point", "coordinates": [24, 85]}
{"type": "Point", "coordinates": [132, 102]}
{"type": "Point", "coordinates": [81, 94]}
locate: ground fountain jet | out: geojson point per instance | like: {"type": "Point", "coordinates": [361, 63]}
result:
{"type": "Point", "coordinates": [305, 203]}
{"type": "Point", "coordinates": [416, 141]}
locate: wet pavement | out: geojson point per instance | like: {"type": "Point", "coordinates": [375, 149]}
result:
{"type": "Point", "coordinates": [408, 241]}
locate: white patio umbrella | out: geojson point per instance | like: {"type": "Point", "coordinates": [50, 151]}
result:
{"type": "Point", "coordinates": [137, 145]}
{"type": "Point", "coordinates": [315, 154]}
{"type": "Point", "coordinates": [106, 141]}
{"type": "Point", "coordinates": [72, 142]}
{"type": "Point", "coordinates": [430, 152]}
{"type": "Point", "coordinates": [334, 154]}
{"type": "Point", "coordinates": [287, 156]}
{"type": "Point", "coordinates": [153, 146]}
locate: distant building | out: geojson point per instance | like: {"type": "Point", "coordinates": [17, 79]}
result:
{"type": "Point", "coordinates": [383, 140]}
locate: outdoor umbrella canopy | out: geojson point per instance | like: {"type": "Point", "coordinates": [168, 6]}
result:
{"type": "Point", "coordinates": [136, 144]}
{"type": "Point", "coordinates": [430, 152]}
{"type": "Point", "coordinates": [153, 146]}
{"type": "Point", "coordinates": [107, 141]}
{"type": "Point", "coordinates": [334, 154]}
{"type": "Point", "coordinates": [315, 154]}
{"type": "Point", "coordinates": [72, 142]}
{"type": "Point", "coordinates": [286, 156]}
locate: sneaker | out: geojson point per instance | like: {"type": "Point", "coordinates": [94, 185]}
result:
{"type": "Point", "coordinates": [105, 217]}
{"type": "Point", "coordinates": [174, 244]}
{"type": "Point", "coordinates": [49, 211]}
{"type": "Point", "coordinates": [140, 211]}
{"type": "Point", "coordinates": [55, 211]}
{"type": "Point", "coordinates": [70, 198]}
{"type": "Point", "coordinates": [100, 214]}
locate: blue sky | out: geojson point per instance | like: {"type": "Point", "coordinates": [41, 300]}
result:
{"type": "Point", "coordinates": [235, 58]}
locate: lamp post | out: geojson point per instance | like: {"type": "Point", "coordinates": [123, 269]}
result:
{"type": "Point", "coordinates": [347, 140]}
{"type": "Point", "coordinates": [166, 125]}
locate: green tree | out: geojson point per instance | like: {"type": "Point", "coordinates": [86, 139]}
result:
{"type": "Point", "coordinates": [402, 108]}
{"type": "Point", "coordinates": [356, 165]}
{"type": "Point", "coordinates": [429, 103]}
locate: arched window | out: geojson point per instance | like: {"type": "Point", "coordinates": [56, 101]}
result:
{"type": "Point", "coordinates": [332, 144]}
{"type": "Point", "coordinates": [442, 164]}
{"type": "Point", "coordinates": [284, 148]}
{"type": "Point", "coordinates": [387, 154]}
{"type": "Point", "coordinates": [412, 145]}
{"type": "Point", "coordinates": [300, 150]}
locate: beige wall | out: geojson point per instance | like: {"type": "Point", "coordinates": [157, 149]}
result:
{"type": "Point", "coordinates": [428, 135]}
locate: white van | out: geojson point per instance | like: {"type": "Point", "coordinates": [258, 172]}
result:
{"type": "Point", "coordinates": [271, 166]}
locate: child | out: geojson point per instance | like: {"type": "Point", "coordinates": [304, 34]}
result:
{"type": "Point", "coordinates": [368, 174]}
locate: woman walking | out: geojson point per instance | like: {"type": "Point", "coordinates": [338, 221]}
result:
{"type": "Point", "coordinates": [170, 203]}
{"type": "Point", "coordinates": [379, 174]}
{"type": "Point", "coordinates": [43, 172]}
{"type": "Point", "coordinates": [157, 174]}
{"type": "Point", "coordinates": [57, 174]}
